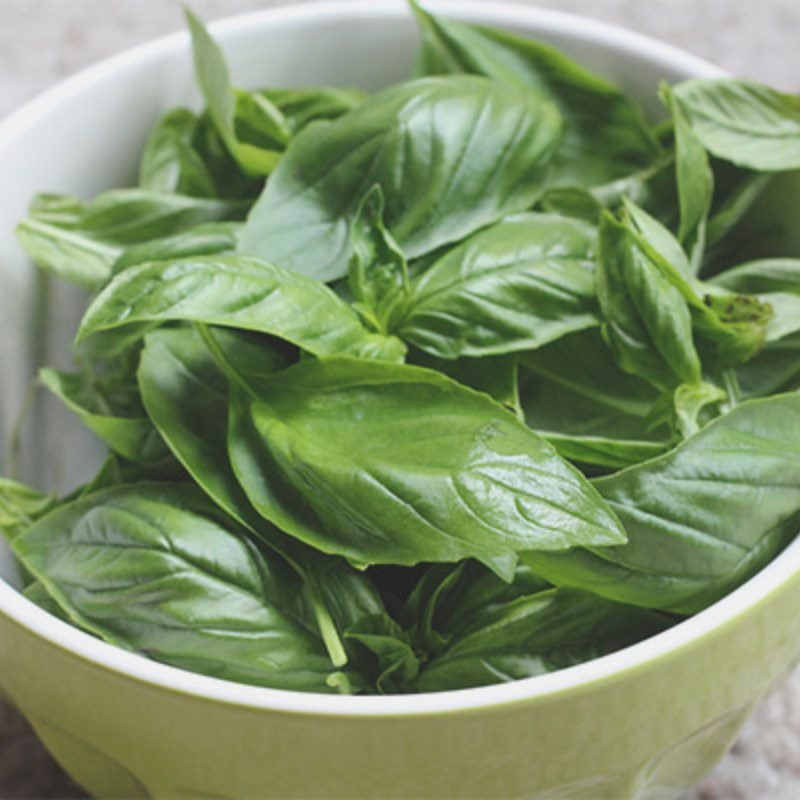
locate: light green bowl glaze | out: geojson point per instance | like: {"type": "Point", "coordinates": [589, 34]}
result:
{"type": "Point", "coordinates": [647, 722]}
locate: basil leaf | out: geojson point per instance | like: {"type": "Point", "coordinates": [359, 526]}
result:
{"type": "Point", "coordinates": [82, 247]}
{"type": "Point", "coordinates": [603, 451]}
{"type": "Point", "coordinates": [571, 201]}
{"type": "Point", "coordinates": [186, 396]}
{"type": "Point", "coordinates": [514, 286]}
{"type": "Point", "coordinates": [155, 569]}
{"type": "Point", "coordinates": [729, 329]}
{"type": "Point", "coordinates": [590, 396]}
{"type": "Point", "coordinates": [606, 136]}
{"type": "Point", "coordinates": [301, 107]}
{"type": "Point", "coordinates": [762, 276]}
{"type": "Point", "coordinates": [574, 395]}
{"type": "Point", "coordinates": [170, 163]}
{"type": "Point", "coordinates": [701, 519]}
{"type": "Point", "coordinates": [448, 599]}
{"type": "Point", "coordinates": [133, 437]}
{"type": "Point", "coordinates": [236, 292]}
{"type": "Point", "coordinates": [397, 665]}
{"type": "Point", "coordinates": [185, 392]}
{"type": "Point", "coordinates": [743, 122]}
{"type": "Point", "coordinates": [695, 182]}
{"type": "Point", "coordinates": [209, 239]}
{"type": "Point", "coordinates": [20, 507]}
{"type": "Point", "coordinates": [536, 634]}
{"type": "Point", "coordinates": [647, 321]}
{"type": "Point", "coordinates": [413, 139]}
{"type": "Point", "coordinates": [336, 453]}
{"type": "Point", "coordinates": [223, 102]}
{"type": "Point", "coordinates": [378, 274]}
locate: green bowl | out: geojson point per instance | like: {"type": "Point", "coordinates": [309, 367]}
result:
{"type": "Point", "coordinates": [646, 722]}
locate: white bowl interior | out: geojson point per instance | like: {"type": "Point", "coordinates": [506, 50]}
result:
{"type": "Point", "coordinates": [86, 135]}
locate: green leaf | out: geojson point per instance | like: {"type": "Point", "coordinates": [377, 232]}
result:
{"type": "Point", "coordinates": [743, 122]}
{"type": "Point", "coordinates": [606, 136]}
{"type": "Point", "coordinates": [20, 507]}
{"type": "Point", "coordinates": [397, 665]}
{"type": "Point", "coordinates": [514, 286]}
{"type": "Point", "coordinates": [132, 436]}
{"type": "Point", "coordinates": [762, 276]}
{"type": "Point", "coordinates": [574, 395]}
{"type": "Point", "coordinates": [81, 247]}
{"type": "Point", "coordinates": [186, 397]}
{"type": "Point", "coordinates": [414, 140]}
{"type": "Point", "coordinates": [689, 402]}
{"type": "Point", "coordinates": [647, 321]}
{"type": "Point", "coordinates": [695, 182]}
{"type": "Point", "coordinates": [301, 107]}
{"type": "Point", "coordinates": [603, 451]}
{"type": "Point", "coordinates": [728, 329]}
{"type": "Point", "coordinates": [236, 292]}
{"type": "Point", "coordinates": [700, 519]}
{"type": "Point", "coordinates": [156, 569]}
{"type": "Point", "coordinates": [336, 453]}
{"type": "Point", "coordinates": [574, 386]}
{"type": "Point", "coordinates": [185, 392]}
{"type": "Point", "coordinates": [447, 599]}
{"type": "Point", "coordinates": [223, 103]}
{"type": "Point", "coordinates": [535, 634]}
{"type": "Point", "coordinates": [170, 163]}
{"type": "Point", "coordinates": [378, 274]}
{"type": "Point", "coordinates": [213, 238]}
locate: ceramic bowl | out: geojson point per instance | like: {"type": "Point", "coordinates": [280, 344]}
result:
{"type": "Point", "coordinates": [646, 722]}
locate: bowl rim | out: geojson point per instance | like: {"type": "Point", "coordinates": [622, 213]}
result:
{"type": "Point", "coordinates": [687, 634]}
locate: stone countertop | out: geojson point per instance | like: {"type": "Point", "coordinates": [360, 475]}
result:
{"type": "Point", "coordinates": [42, 41]}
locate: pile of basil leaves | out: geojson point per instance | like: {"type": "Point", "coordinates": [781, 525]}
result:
{"type": "Point", "coordinates": [464, 381]}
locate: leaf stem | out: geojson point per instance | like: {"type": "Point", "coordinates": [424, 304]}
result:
{"type": "Point", "coordinates": [327, 627]}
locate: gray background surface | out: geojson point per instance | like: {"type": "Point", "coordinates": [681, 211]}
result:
{"type": "Point", "coordinates": [42, 41]}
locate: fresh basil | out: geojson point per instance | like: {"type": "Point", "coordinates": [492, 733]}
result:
{"type": "Point", "coordinates": [700, 519]}
{"type": "Point", "coordinates": [548, 405]}
{"type": "Point", "coordinates": [170, 162]}
{"type": "Point", "coordinates": [647, 322]}
{"type": "Point", "coordinates": [606, 136]}
{"type": "Point", "coordinates": [82, 246]}
{"type": "Point", "coordinates": [239, 117]}
{"type": "Point", "coordinates": [514, 286]}
{"type": "Point", "coordinates": [235, 292]}
{"type": "Point", "coordinates": [155, 569]}
{"type": "Point", "coordinates": [130, 434]}
{"type": "Point", "coordinates": [20, 506]}
{"type": "Point", "coordinates": [743, 122]}
{"type": "Point", "coordinates": [535, 634]}
{"type": "Point", "coordinates": [411, 139]}
{"type": "Point", "coordinates": [336, 452]}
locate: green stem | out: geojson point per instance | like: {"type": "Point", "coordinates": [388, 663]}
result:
{"type": "Point", "coordinates": [730, 382]}
{"type": "Point", "coordinates": [327, 628]}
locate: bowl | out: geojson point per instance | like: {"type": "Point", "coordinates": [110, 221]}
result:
{"type": "Point", "coordinates": [645, 722]}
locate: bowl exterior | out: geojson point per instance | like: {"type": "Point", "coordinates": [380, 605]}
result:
{"type": "Point", "coordinates": [647, 731]}
{"type": "Point", "coordinates": [651, 732]}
